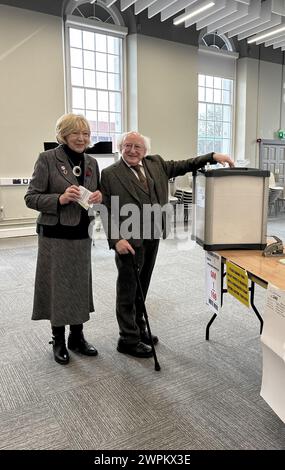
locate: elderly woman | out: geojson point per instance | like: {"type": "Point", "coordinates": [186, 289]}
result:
{"type": "Point", "coordinates": [63, 284]}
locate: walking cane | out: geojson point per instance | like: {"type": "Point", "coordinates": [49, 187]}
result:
{"type": "Point", "coordinates": [137, 272]}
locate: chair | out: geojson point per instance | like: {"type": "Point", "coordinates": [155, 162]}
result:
{"type": "Point", "coordinates": [281, 201]}
{"type": "Point", "coordinates": [187, 201]}
{"type": "Point", "coordinates": [273, 205]}
{"type": "Point", "coordinates": [276, 193]}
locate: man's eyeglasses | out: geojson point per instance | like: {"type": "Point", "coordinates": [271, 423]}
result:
{"type": "Point", "coordinates": [137, 147]}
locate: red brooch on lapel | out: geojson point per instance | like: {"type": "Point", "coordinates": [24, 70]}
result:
{"type": "Point", "coordinates": [88, 173]}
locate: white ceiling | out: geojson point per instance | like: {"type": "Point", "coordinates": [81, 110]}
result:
{"type": "Point", "coordinates": [245, 19]}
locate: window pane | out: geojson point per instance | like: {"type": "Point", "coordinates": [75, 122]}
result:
{"type": "Point", "coordinates": [78, 97]}
{"type": "Point", "coordinates": [113, 64]}
{"type": "Point", "coordinates": [103, 100]}
{"type": "Point", "coordinates": [202, 111]}
{"type": "Point", "coordinates": [210, 112]}
{"type": "Point", "coordinates": [201, 80]}
{"type": "Point", "coordinates": [89, 60]}
{"type": "Point", "coordinates": [202, 128]}
{"type": "Point", "coordinates": [91, 101]}
{"type": "Point", "coordinates": [218, 129]}
{"type": "Point", "coordinates": [226, 146]}
{"type": "Point", "coordinates": [101, 43]}
{"type": "Point", "coordinates": [209, 81]}
{"type": "Point", "coordinates": [217, 96]}
{"type": "Point", "coordinates": [115, 122]}
{"type": "Point", "coordinates": [76, 57]}
{"type": "Point", "coordinates": [115, 102]}
{"type": "Point", "coordinates": [89, 78]}
{"type": "Point", "coordinates": [226, 97]}
{"type": "Point", "coordinates": [75, 37]}
{"type": "Point", "coordinates": [209, 146]}
{"type": "Point", "coordinates": [226, 130]}
{"type": "Point", "coordinates": [101, 80]}
{"type": "Point", "coordinates": [88, 40]}
{"type": "Point", "coordinates": [227, 84]}
{"type": "Point", "coordinates": [77, 77]}
{"type": "Point", "coordinates": [209, 95]}
{"type": "Point", "coordinates": [201, 92]}
{"type": "Point", "coordinates": [113, 45]}
{"type": "Point", "coordinates": [77, 111]}
{"type": "Point", "coordinates": [101, 62]}
{"type": "Point", "coordinates": [210, 129]}
{"type": "Point", "coordinates": [217, 82]}
{"type": "Point", "coordinates": [103, 122]}
{"type": "Point", "coordinates": [201, 147]}
{"type": "Point", "coordinates": [227, 114]}
{"type": "Point", "coordinates": [218, 146]}
{"type": "Point", "coordinates": [218, 112]}
{"type": "Point", "coordinates": [92, 118]}
{"type": "Point", "coordinates": [113, 81]}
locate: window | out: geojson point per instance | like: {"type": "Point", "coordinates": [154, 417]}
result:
{"type": "Point", "coordinates": [215, 114]}
{"type": "Point", "coordinates": [94, 60]}
{"type": "Point", "coordinates": [96, 81]}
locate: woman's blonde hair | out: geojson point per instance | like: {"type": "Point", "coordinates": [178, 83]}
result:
{"type": "Point", "coordinates": [68, 123]}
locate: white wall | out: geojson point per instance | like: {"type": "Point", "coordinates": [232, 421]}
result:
{"type": "Point", "coordinates": [259, 106]}
{"type": "Point", "coordinates": [31, 100]}
{"type": "Point", "coordinates": [32, 86]}
{"type": "Point", "coordinates": [165, 95]}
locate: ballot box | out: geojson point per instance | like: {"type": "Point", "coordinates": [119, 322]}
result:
{"type": "Point", "coordinates": [230, 208]}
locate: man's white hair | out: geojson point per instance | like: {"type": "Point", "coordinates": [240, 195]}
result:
{"type": "Point", "coordinates": [145, 139]}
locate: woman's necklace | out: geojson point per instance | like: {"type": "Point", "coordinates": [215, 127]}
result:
{"type": "Point", "coordinates": [76, 169]}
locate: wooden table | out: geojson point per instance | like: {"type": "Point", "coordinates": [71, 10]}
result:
{"type": "Point", "coordinates": [260, 269]}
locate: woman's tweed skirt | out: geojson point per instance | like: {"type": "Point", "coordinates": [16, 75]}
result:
{"type": "Point", "coordinates": [63, 284]}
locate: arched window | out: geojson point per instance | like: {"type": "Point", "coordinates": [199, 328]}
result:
{"type": "Point", "coordinates": [216, 93]}
{"type": "Point", "coordinates": [217, 41]}
{"type": "Point", "coordinates": [94, 37]}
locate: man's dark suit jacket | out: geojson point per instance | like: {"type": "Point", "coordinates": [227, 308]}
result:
{"type": "Point", "coordinates": [118, 180]}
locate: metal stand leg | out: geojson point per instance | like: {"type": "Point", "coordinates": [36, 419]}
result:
{"type": "Point", "coordinates": [252, 288]}
{"type": "Point", "coordinates": [223, 291]}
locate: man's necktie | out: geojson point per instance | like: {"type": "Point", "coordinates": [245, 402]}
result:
{"type": "Point", "coordinates": [141, 176]}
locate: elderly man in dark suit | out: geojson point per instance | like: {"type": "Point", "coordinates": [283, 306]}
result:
{"type": "Point", "coordinates": [139, 179]}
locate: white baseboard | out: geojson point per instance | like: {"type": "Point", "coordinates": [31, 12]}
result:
{"type": "Point", "coordinates": [17, 232]}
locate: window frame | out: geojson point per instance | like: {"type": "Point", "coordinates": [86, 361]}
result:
{"type": "Point", "coordinates": [232, 106]}
{"type": "Point", "coordinates": [94, 26]}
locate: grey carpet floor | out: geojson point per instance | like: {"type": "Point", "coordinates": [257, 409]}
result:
{"type": "Point", "coordinates": [206, 396]}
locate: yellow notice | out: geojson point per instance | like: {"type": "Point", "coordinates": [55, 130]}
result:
{"type": "Point", "coordinates": [237, 283]}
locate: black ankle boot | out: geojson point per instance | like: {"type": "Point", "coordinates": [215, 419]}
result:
{"type": "Point", "coordinates": [77, 343]}
{"type": "Point", "coordinates": [58, 345]}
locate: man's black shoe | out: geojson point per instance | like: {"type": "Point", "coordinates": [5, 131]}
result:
{"type": "Point", "coordinates": [78, 343]}
{"type": "Point", "coordinates": [138, 350]}
{"type": "Point", "coordinates": [146, 339]}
